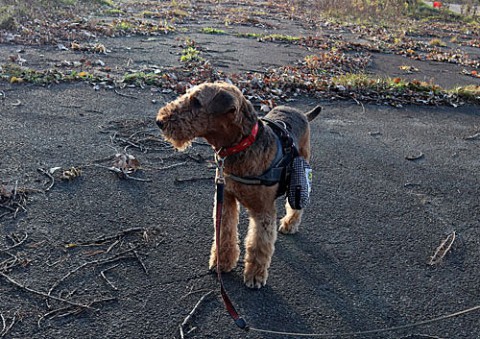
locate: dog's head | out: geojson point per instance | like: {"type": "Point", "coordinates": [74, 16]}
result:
{"type": "Point", "coordinates": [217, 112]}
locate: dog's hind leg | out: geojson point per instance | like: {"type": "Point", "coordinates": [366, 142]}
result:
{"type": "Point", "coordinates": [290, 222]}
{"type": "Point", "coordinates": [229, 247]}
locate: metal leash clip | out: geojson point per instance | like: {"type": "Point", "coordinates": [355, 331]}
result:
{"type": "Point", "coordinates": [219, 177]}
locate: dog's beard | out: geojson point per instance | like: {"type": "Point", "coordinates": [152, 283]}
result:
{"type": "Point", "coordinates": [179, 142]}
{"type": "Point", "coordinates": [180, 145]}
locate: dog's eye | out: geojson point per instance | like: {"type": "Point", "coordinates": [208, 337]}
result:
{"type": "Point", "coordinates": [195, 103]}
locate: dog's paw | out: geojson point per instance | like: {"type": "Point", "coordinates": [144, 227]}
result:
{"type": "Point", "coordinates": [226, 265]}
{"type": "Point", "coordinates": [288, 226]}
{"type": "Point", "coordinates": [255, 278]}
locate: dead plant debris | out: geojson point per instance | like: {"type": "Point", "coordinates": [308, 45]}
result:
{"type": "Point", "coordinates": [114, 250]}
{"type": "Point", "coordinates": [443, 249]}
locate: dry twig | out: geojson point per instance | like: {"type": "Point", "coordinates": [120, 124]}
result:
{"type": "Point", "coordinates": [443, 249]}
{"type": "Point", "coordinates": [16, 243]}
{"type": "Point", "coordinates": [119, 256]}
{"type": "Point", "coordinates": [189, 316]}
{"type": "Point", "coordinates": [122, 174]}
{"type": "Point", "coordinates": [102, 274]}
{"type": "Point", "coordinates": [52, 179]}
{"type": "Point", "coordinates": [7, 328]}
{"type": "Point", "coordinates": [104, 239]}
{"type": "Point", "coordinates": [192, 179]}
{"type": "Point", "coordinates": [4, 324]}
{"type": "Point", "coordinates": [125, 95]}
{"type": "Point", "coordinates": [43, 294]}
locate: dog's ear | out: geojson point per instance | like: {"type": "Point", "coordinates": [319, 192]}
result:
{"type": "Point", "coordinates": [248, 111]}
{"type": "Point", "coordinates": [223, 102]}
{"type": "Point", "coordinates": [195, 104]}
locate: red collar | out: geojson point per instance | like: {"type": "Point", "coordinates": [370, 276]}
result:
{"type": "Point", "coordinates": [242, 145]}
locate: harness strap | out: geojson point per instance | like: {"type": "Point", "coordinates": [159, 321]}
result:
{"type": "Point", "coordinates": [271, 176]}
{"type": "Point", "coordinates": [278, 172]}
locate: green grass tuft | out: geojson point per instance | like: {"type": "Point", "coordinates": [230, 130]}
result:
{"type": "Point", "coordinates": [211, 30]}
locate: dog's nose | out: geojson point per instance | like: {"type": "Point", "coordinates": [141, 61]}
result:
{"type": "Point", "coordinates": [160, 124]}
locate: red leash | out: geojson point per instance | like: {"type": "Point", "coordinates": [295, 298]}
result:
{"type": "Point", "coordinates": [219, 189]}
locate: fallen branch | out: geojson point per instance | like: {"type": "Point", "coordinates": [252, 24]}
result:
{"type": "Point", "coordinates": [69, 311]}
{"type": "Point", "coordinates": [122, 174]}
{"type": "Point", "coordinates": [16, 243]}
{"type": "Point", "coordinates": [43, 294]}
{"type": "Point", "coordinates": [125, 95]}
{"type": "Point", "coordinates": [117, 236]}
{"type": "Point", "coordinates": [192, 179]}
{"type": "Point", "coordinates": [189, 316]}
{"type": "Point", "coordinates": [114, 258]}
{"type": "Point", "coordinates": [48, 314]}
{"type": "Point", "coordinates": [193, 292]}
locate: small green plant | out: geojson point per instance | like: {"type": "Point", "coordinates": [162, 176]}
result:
{"type": "Point", "coordinates": [270, 37]}
{"type": "Point", "coordinates": [437, 43]}
{"type": "Point", "coordinates": [470, 92]}
{"type": "Point", "coordinates": [250, 35]}
{"type": "Point", "coordinates": [109, 3]}
{"type": "Point", "coordinates": [190, 53]}
{"type": "Point", "coordinates": [282, 37]}
{"type": "Point", "coordinates": [150, 14]}
{"type": "Point", "coordinates": [113, 11]}
{"type": "Point", "coordinates": [211, 30]}
{"type": "Point", "coordinates": [123, 25]}
{"type": "Point", "coordinates": [178, 13]}
{"type": "Point", "coordinates": [7, 21]}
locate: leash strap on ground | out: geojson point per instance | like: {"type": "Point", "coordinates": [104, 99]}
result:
{"type": "Point", "coordinates": [375, 331]}
{"type": "Point", "coordinates": [219, 190]}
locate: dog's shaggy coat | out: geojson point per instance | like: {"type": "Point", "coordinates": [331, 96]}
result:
{"type": "Point", "coordinates": [220, 113]}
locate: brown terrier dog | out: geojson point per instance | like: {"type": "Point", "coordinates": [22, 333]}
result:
{"type": "Point", "coordinates": [220, 113]}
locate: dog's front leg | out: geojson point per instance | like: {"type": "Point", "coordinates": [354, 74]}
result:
{"type": "Point", "coordinates": [229, 248]}
{"type": "Point", "coordinates": [260, 245]}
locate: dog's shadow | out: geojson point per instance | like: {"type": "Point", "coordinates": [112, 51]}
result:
{"type": "Point", "coordinates": [309, 291]}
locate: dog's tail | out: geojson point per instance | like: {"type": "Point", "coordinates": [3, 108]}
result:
{"type": "Point", "coordinates": [312, 114]}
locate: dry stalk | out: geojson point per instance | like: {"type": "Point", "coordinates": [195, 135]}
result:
{"type": "Point", "coordinates": [192, 312]}
{"type": "Point", "coordinates": [16, 243]}
{"type": "Point", "coordinates": [43, 294]}
{"type": "Point", "coordinates": [119, 256]}
{"type": "Point", "coordinates": [443, 249]}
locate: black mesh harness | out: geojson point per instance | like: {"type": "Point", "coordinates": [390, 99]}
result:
{"type": "Point", "coordinates": [279, 170]}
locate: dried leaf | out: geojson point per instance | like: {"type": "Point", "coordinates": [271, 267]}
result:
{"type": "Point", "coordinates": [62, 47]}
{"type": "Point", "coordinates": [264, 108]}
{"type": "Point", "coordinates": [71, 173]}
{"type": "Point", "coordinates": [443, 249]}
{"type": "Point", "coordinates": [126, 163]}
{"type": "Point", "coordinates": [53, 169]}
{"type": "Point", "coordinates": [414, 156]}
